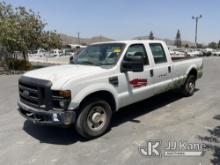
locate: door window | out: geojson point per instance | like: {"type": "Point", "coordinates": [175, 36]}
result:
{"type": "Point", "coordinates": [158, 53]}
{"type": "Point", "coordinates": [137, 50]}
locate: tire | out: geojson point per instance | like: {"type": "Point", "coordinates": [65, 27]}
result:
{"type": "Point", "coordinates": [189, 86]}
{"type": "Point", "coordinates": [94, 118]}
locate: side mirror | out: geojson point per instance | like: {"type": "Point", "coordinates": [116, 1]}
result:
{"type": "Point", "coordinates": [134, 64]}
{"type": "Point", "coordinates": [72, 60]}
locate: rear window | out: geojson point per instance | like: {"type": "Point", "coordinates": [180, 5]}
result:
{"type": "Point", "coordinates": [158, 53]}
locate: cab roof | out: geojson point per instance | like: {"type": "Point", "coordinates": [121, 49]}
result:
{"type": "Point", "coordinates": [130, 42]}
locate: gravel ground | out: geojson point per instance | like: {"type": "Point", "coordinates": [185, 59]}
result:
{"type": "Point", "coordinates": [166, 117]}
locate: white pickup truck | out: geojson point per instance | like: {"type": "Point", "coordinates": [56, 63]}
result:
{"type": "Point", "coordinates": [104, 78]}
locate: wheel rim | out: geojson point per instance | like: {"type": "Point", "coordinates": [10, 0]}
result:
{"type": "Point", "coordinates": [191, 86]}
{"type": "Point", "coordinates": [97, 117]}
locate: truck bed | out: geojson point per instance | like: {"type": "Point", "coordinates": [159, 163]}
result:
{"type": "Point", "coordinates": [177, 59]}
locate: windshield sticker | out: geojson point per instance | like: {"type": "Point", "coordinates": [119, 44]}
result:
{"type": "Point", "coordinates": [117, 50]}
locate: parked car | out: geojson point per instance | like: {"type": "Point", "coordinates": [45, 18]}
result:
{"type": "Point", "coordinates": [105, 77]}
{"type": "Point", "coordinates": [70, 53]}
{"type": "Point", "coordinates": [216, 53]}
{"type": "Point", "coordinates": [55, 53]}
{"type": "Point", "coordinates": [208, 51]}
{"type": "Point", "coordinates": [75, 55]}
{"type": "Point", "coordinates": [194, 53]}
{"type": "Point", "coordinates": [38, 53]}
{"type": "Point", "coordinates": [178, 53]}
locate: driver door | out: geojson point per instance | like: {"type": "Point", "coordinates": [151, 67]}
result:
{"type": "Point", "coordinates": [136, 86]}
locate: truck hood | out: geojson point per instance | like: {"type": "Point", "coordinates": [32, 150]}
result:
{"type": "Point", "coordinates": [60, 74]}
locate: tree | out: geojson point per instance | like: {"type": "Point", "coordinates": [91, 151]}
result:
{"type": "Point", "coordinates": [151, 36]}
{"type": "Point", "coordinates": [212, 45]}
{"type": "Point", "coordinates": [50, 40]}
{"type": "Point", "coordinates": [23, 30]}
{"type": "Point", "coordinates": [200, 46]}
{"type": "Point", "coordinates": [219, 44]}
{"type": "Point", "coordinates": [178, 41]}
{"type": "Point", "coordinates": [186, 46]}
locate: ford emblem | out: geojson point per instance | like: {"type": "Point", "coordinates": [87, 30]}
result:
{"type": "Point", "coordinates": [25, 93]}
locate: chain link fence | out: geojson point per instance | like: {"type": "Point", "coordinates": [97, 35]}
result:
{"type": "Point", "coordinates": [12, 63]}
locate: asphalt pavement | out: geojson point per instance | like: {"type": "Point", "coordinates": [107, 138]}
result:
{"type": "Point", "coordinates": [164, 118]}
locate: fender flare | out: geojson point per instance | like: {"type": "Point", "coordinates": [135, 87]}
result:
{"type": "Point", "coordinates": [92, 89]}
{"type": "Point", "coordinates": [192, 67]}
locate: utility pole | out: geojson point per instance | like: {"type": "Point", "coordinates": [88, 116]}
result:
{"type": "Point", "coordinates": [78, 37]}
{"type": "Point", "coordinates": [196, 30]}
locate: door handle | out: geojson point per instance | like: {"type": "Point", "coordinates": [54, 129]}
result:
{"type": "Point", "coordinates": [151, 73]}
{"type": "Point", "coordinates": [169, 69]}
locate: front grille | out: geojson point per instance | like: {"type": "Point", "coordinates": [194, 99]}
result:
{"type": "Point", "coordinates": [31, 94]}
{"type": "Point", "coordinates": [35, 92]}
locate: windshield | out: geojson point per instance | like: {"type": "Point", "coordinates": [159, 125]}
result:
{"type": "Point", "coordinates": [100, 54]}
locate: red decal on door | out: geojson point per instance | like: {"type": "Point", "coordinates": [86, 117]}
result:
{"type": "Point", "coordinates": [138, 82]}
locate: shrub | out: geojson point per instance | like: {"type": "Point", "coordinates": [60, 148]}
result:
{"type": "Point", "coordinates": [15, 64]}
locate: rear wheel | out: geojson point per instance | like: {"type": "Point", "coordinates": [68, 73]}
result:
{"type": "Point", "coordinates": [94, 118]}
{"type": "Point", "coordinates": [189, 86]}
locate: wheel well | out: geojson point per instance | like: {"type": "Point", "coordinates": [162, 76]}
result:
{"type": "Point", "coordinates": [107, 96]}
{"type": "Point", "coordinates": [193, 72]}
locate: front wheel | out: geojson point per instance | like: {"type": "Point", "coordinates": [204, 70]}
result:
{"type": "Point", "coordinates": [189, 86]}
{"type": "Point", "coordinates": [94, 118]}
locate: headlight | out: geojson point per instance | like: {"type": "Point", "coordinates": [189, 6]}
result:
{"type": "Point", "coordinates": [61, 99]}
{"type": "Point", "coordinates": [66, 93]}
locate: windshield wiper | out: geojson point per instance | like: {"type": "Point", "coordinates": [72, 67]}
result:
{"type": "Point", "coordinates": [106, 63]}
{"type": "Point", "coordinates": [86, 63]}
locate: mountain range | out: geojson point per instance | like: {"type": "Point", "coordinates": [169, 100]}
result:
{"type": "Point", "coordinates": [67, 39]}
{"type": "Point", "coordinates": [84, 41]}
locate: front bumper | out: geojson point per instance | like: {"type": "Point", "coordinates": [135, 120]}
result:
{"type": "Point", "coordinates": [50, 117]}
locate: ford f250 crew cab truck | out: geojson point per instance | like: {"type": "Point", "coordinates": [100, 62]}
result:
{"type": "Point", "coordinates": [104, 78]}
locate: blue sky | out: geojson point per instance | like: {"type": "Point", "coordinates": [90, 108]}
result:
{"type": "Point", "coordinates": [125, 19]}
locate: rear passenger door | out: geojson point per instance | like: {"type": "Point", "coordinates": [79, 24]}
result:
{"type": "Point", "coordinates": [161, 72]}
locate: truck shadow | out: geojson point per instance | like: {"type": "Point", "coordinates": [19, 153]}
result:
{"type": "Point", "coordinates": [131, 112]}
{"type": "Point", "coordinates": [66, 136]}
{"type": "Point", "coordinates": [50, 134]}
{"type": "Point", "coordinates": [212, 142]}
